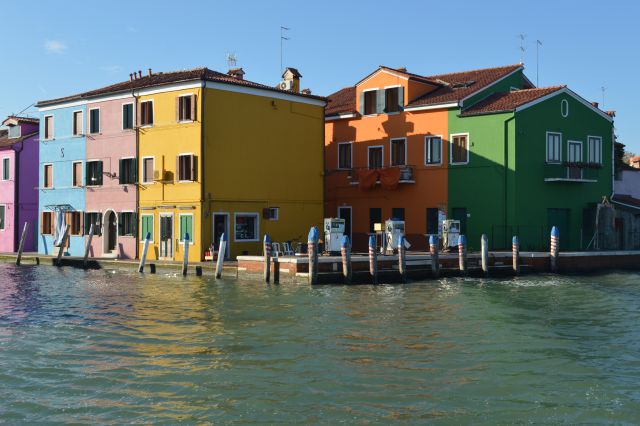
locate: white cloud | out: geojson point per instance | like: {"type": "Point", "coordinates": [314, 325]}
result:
{"type": "Point", "coordinates": [55, 46]}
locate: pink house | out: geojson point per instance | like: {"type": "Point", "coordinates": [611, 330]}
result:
{"type": "Point", "coordinates": [110, 176]}
{"type": "Point", "coordinates": [18, 182]}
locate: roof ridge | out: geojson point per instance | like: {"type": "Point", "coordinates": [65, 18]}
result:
{"type": "Point", "coordinates": [476, 70]}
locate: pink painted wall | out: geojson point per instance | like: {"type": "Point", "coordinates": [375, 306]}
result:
{"type": "Point", "coordinates": [110, 145]}
{"type": "Point", "coordinates": [7, 195]}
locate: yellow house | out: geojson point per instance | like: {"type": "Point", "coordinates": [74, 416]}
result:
{"type": "Point", "coordinates": [218, 153]}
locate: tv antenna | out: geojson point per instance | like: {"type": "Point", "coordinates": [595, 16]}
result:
{"type": "Point", "coordinates": [282, 40]}
{"type": "Point", "coordinates": [232, 60]}
{"type": "Point", "coordinates": [522, 48]}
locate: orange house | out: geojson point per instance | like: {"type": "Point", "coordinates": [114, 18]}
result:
{"type": "Point", "coordinates": [387, 148]}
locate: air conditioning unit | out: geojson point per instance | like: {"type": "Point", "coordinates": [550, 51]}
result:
{"type": "Point", "coordinates": [285, 85]}
{"type": "Point", "coordinates": [157, 175]}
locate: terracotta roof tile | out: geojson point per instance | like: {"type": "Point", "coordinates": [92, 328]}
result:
{"type": "Point", "coordinates": [509, 101]}
{"type": "Point", "coordinates": [342, 102]}
{"type": "Point", "coordinates": [626, 199]}
{"type": "Point", "coordinates": [5, 141]}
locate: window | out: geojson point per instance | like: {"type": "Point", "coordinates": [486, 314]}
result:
{"type": "Point", "coordinates": [432, 221]}
{"type": "Point", "coordinates": [398, 152]}
{"type": "Point", "coordinates": [564, 108]}
{"type": "Point", "coordinates": [94, 219]}
{"type": "Point", "coordinates": [397, 213]}
{"type": "Point", "coordinates": [146, 113]}
{"type": "Point", "coordinates": [186, 227]}
{"type": "Point", "coordinates": [146, 227]}
{"type": "Point", "coordinates": [94, 173]}
{"type": "Point", "coordinates": [46, 223]}
{"type": "Point", "coordinates": [77, 123]}
{"type": "Point", "coordinates": [344, 155]}
{"type": "Point", "coordinates": [392, 100]}
{"type": "Point", "coordinates": [186, 167]}
{"type": "Point", "coordinates": [459, 149]}
{"type": "Point", "coordinates": [185, 106]}
{"type": "Point", "coordinates": [432, 150]}
{"type": "Point", "coordinates": [74, 221]}
{"type": "Point", "coordinates": [77, 174]}
{"type": "Point", "coordinates": [147, 170]}
{"type": "Point", "coordinates": [48, 127]}
{"type": "Point", "coordinates": [127, 171]}
{"type": "Point", "coordinates": [370, 100]}
{"type": "Point", "coordinates": [127, 222]}
{"type": "Point", "coordinates": [6, 168]}
{"type": "Point", "coordinates": [94, 120]}
{"type": "Point", "coordinates": [271, 213]}
{"type": "Point", "coordinates": [2, 214]}
{"type": "Point", "coordinates": [246, 227]}
{"type": "Point", "coordinates": [376, 158]}
{"type": "Point", "coordinates": [375, 216]}
{"type": "Point", "coordinates": [47, 176]}
{"type": "Point", "coordinates": [127, 116]}
{"type": "Point", "coordinates": [14, 132]}
{"type": "Point", "coordinates": [554, 147]}
{"type": "Point", "coordinates": [595, 149]}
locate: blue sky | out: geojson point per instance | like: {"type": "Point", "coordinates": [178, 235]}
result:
{"type": "Point", "coordinates": [586, 44]}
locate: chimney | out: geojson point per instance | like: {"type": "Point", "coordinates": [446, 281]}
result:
{"type": "Point", "coordinates": [611, 113]}
{"type": "Point", "coordinates": [236, 73]}
{"type": "Point", "coordinates": [150, 73]}
{"type": "Point", "coordinates": [595, 104]}
{"type": "Point", "coordinates": [130, 77]}
{"type": "Point", "coordinates": [402, 69]}
{"type": "Point", "coordinates": [291, 79]}
{"type": "Point", "coordinates": [306, 91]}
{"type": "Point", "coordinates": [139, 74]}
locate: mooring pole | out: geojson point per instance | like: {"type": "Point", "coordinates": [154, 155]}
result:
{"type": "Point", "coordinates": [373, 259]}
{"type": "Point", "coordinates": [462, 253]}
{"type": "Point", "coordinates": [86, 250]}
{"type": "Point", "coordinates": [433, 251]}
{"type": "Point", "coordinates": [402, 259]}
{"type": "Point", "coordinates": [143, 259]}
{"type": "Point", "coordinates": [185, 260]}
{"type": "Point", "coordinates": [555, 248]}
{"type": "Point", "coordinates": [485, 254]}
{"type": "Point", "coordinates": [21, 245]}
{"type": "Point", "coordinates": [345, 251]}
{"type": "Point", "coordinates": [312, 252]}
{"type": "Point", "coordinates": [62, 244]}
{"type": "Point", "coordinates": [222, 249]}
{"type": "Point", "coordinates": [266, 249]}
{"type": "Point", "coordinates": [515, 247]}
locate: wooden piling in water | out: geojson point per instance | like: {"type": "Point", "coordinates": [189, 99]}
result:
{"type": "Point", "coordinates": [373, 259]}
{"type": "Point", "coordinates": [485, 254]}
{"type": "Point", "coordinates": [65, 235]}
{"type": "Point", "coordinates": [434, 252]}
{"type": "Point", "coordinates": [515, 248]}
{"type": "Point", "coordinates": [402, 259]}
{"type": "Point", "coordinates": [222, 250]}
{"type": "Point", "coordinates": [462, 253]}
{"type": "Point", "coordinates": [345, 251]}
{"type": "Point", "coordinates": [143, 259]}
{"type": "Point", "coordinates": [266, 251]}
{"type": "Point", "coordinates": [86, 250]}
{"type": "Point", "coordinates": [185, 260]}
{"type": "Point", "coordinates": [555, 249]}
{"type": "Point", "coordinates": [199, 271]}
{"type": "Point", "coordinates": [21, 245]}
{"type": "Point", "coordinates": [312, 252]}
{"type": "Point", "coordinates": [152, 268]}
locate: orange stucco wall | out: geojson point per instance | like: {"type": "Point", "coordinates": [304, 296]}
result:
{"type": "Point", "coordinates": [430, 187]}
{"type": "Point", "coordinates": [382, 79]}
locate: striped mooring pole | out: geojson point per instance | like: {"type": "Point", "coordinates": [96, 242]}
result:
{"type": "Point", "coordinates": [185, 260]}
{"type": "Point", "coordinates": [373, 259]}
{"type": "Point", "coordinates": [402, 259]}
{"type": "Point", "coordinates": [21, 245]}
{"type": "Point", "coordinates": [312, 252]}
{"type": "Point", "coordinates": [515, 248]}
{"type": "Point", "coordinates": [143, 258]}
{"type": "Point", "coordinates": [266, 273]}
{"type": "Point", "coordinates": [345, 251]}
{"type": "Point", "coordinates": [462, 253]}
{"type": "Point", "coordinates": [484, 245]}
{"type": "Point", "coordinates": [433, 251]}
{"type": "Point", "coordinates": [222, 250]}
{"type": "Point", "coordinates": [555, 248]}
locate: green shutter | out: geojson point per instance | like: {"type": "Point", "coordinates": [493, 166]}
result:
{"type": "Point", "coordinates": [99, 173]}
{"type": "Point", "coordinates": [134, 222]}
{"type": "Point", "coordinates": [380, 99]}
{"type": "Point", "coordinates": [147, 227]}
{"type": "Point", "coordinates": [362, 103]}
{"type": "Point", "coordinates": [121, 172]}
{"type": "Point", "coordinates": [133, 168]}
{"type": "Point", "coordinates": [186, 226]}
{"type": "Point", "coordinates": [400, 98]}
{"type": "Point", "coordinates": [120, 224]}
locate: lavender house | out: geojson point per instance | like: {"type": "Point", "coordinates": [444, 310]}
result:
{"type": "Point", "coordinates": [18, 182]}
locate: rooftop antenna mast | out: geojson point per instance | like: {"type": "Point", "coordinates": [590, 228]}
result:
{"type": "Point", "coordinates": [232, 60]}
{"type": "Point", "coordinates": [282, 39]}
{"type": "Point", "coordinates": [522, 48]}
{"type": "Point", "coordinates": [538, 44]}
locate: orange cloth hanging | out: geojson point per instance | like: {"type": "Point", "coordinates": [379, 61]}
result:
{"type": "Point", "coordinates": [367, 179]}
{"type": "Point", "coordinates": [390, 177]}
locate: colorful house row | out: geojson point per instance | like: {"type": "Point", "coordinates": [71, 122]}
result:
{"type": "Point", "coordinates": [484, 147]}
{"type": "Point", "coordinates": [194, 152]}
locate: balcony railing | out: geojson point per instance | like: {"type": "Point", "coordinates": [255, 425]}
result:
{"type": "Point", "coordinates": [407, 175]}
{"type": "Point", "coordinates": [571, 172]}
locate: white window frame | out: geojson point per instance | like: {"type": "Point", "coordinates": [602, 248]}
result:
{"type": "Point", "coordinates": [391, 140]}
{"type": "Point", "coordinates": [73, 115]}
{"type": "Point", "coordinates": [44, 175]}
{"type": "Point", "coordinates": [599, 153]}
{"type": "Point", "coordinates": [385, 99]}
{"type": "Point", "coordinates": [133, 118]}
{"type": "Point", "coordinates": [73, 163]}
{"type": "Point", "coordinates": [153, 113]}
{"type": "Point", "coordinates": [3, 224]}
{"type": "Point", "coordinates": [574, 142]}
{"type": "Point", "coordinates": [426, 150]}
{"type": "Point", "coordinates": [17, 126]}
{"type": "Point", "coordinates": [53, 128]}
{"type": "Point", "coordinates": [547, 161]}
{"type": "Point", "coordinates": [364, 99]}
{"type": "Point", "coordinates": [99, 121]}
{"type": "Point", "coordinates": [4, 167]}
{"type": "Point", "coordinates": [369, 148]}
{"type": "Point", "coordinates": [351, 146]}
{"type": "Point", "coordinates": [186, 95]}
{"type": "Point", "coordinates": [193, 224]}
{"type": "Point", "coordinates": [235, 220]}
{"type": "Point", "coordinates": [564, 108]}
{"type": "Point", "coordinates": [153, 158]}
{"type": "Point", "coordinates": [451, 136]}
{"type": "Point", "coordinates": [153, 225]}
{"type": "Point", "coordinates": [182, 154]}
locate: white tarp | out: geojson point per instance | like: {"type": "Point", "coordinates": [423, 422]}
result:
{"type": "Point", "coordinates": [58, 231]}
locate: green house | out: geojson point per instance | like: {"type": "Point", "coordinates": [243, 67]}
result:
{"type": "Point", "coordinates": [522, 160]}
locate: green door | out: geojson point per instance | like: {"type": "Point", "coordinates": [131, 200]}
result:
{"type": "Point", "coordinates": [560, 219]}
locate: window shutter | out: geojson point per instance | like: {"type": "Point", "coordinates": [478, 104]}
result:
{"type": "Point", "coordinates": [193, 108]}
{"type": "Point", "coordinates": [177, 108]}
{"type": "Point", "coordinates": [193, 168]}
{"type": "Point", "coordinates": [81, 223]}
{"type": "Point", "coordinates": [87, 174]}
{"type": "Point", "coordinates": [139, 114]}
{"type": "Point", "coordinates": [133, 170]}
{"type": "Point", "coordinates": [178, 171]}
{"type": "Point", "coordinates": [134, 223]}
{"type": "Point", "coordinates": [121, 172]}
{"type": "Point", "coordinates": [265, 213]}
{"type": "Point", "coordinates": [42, 222]}
{"type": "Point", "coordinates": [400, 98]}
{"type": "Point", "coordinates": [99, 172]}
{"type": "Point", "coordinates": [120, 224]}
{"type": "Point", "coordinates": [380, 100]}
{"type": "Point", "coordinates": [362, 103]}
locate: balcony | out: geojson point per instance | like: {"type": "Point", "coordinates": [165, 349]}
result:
{"type": "Point", "coordinates": [406, 174]}
{"type": "Point", "coordinates": [572, 172]}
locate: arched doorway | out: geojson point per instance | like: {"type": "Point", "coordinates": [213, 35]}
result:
{"type": "Point", "coordinates": [110, 238]}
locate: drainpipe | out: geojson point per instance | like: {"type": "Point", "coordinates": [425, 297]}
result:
{"type": "Point", "coordinates": [135, 128]}
{"type": "Point", "coordinates": [201, 172]}
{"type": "Point", "coordinates": [16, 194]}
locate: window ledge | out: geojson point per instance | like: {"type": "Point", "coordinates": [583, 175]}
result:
{"type": "Point", "coordinates": [186, 121]}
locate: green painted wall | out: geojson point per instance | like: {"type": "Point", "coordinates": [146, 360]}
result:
{"type": "Point", "coordinates": [514, 80]}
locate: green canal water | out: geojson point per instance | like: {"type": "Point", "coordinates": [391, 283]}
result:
{"type": "Point", "coordinates": [102, 347]}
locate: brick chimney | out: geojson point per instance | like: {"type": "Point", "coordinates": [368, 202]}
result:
{"type": "Point", "coordinates": [595, 104]}
{"type": "Point", "coordinates": [236, 73]}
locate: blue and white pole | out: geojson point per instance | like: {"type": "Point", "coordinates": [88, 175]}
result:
{"type": "Point", "coordinates": [312, 252]}
{"type": "Point", "coordinates": [402, 259]}
{"type": "Point", "coordinates": [266, 273]}
{"type": "Point", "coordinates": [515, 248]}
{"type": "Point", "coordinates": [434, 252]}
{"type": "Point", "coordinates": [145, 249]}
{"type": "Point", "coordinates": [185, 260]}
{"type": "Point", "coordinates": [345, 251]}
{"type": "Point", "coordinates": [373, 259]}
{"type": "Point", "coordinates": [484, 245]}
{"type": "Point", "coordinates": [555, 248]}
{"type": "Point", "coordinates": [462, 253]}
{"type": "Point", "coordinates": [222, 250]}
